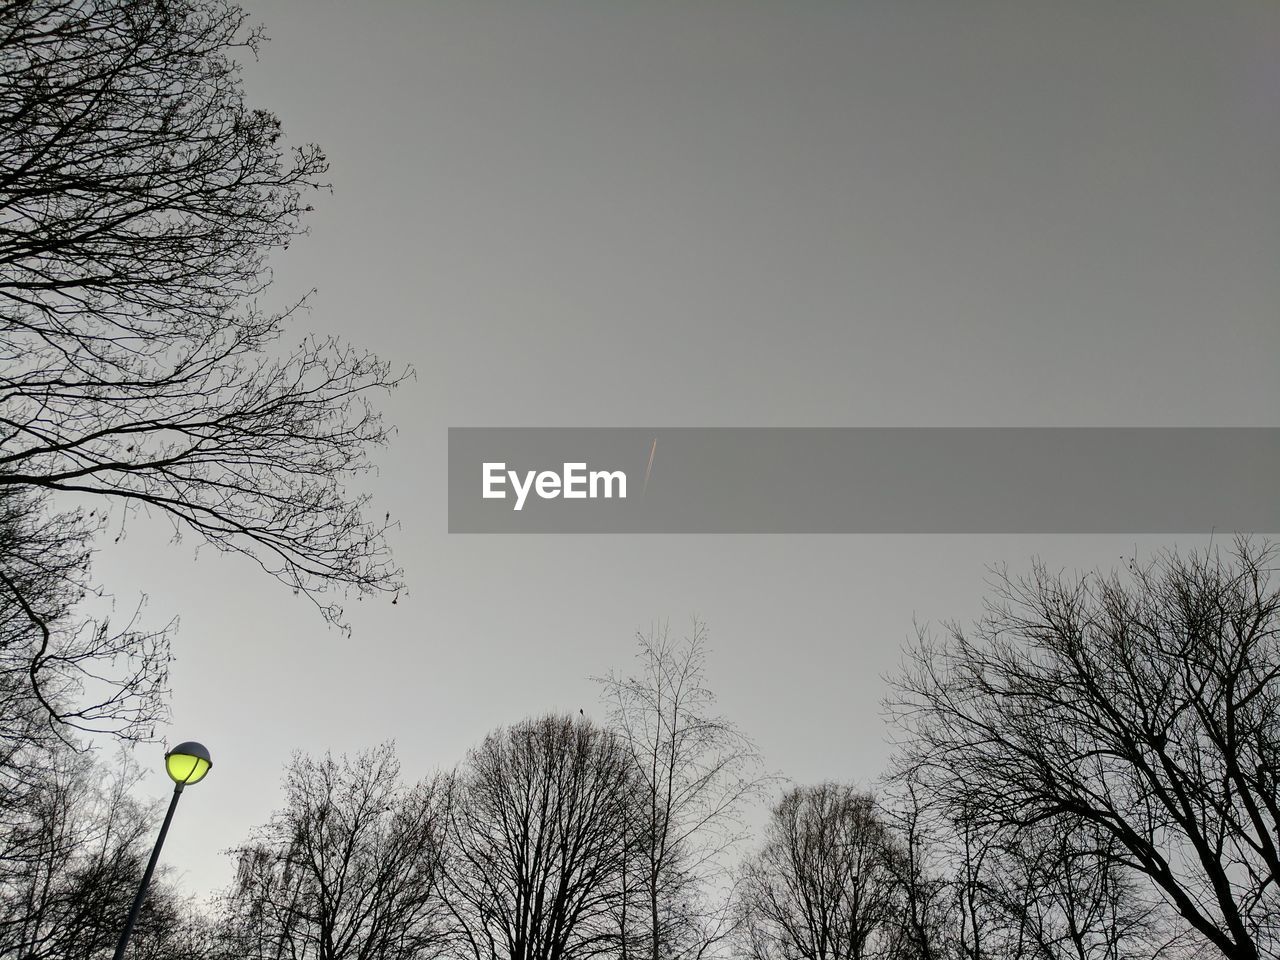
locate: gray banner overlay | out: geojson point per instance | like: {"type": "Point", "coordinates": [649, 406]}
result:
{"type": "Point", "coordinates": [865, 480]}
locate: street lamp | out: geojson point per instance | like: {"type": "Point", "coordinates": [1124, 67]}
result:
{"type": "Point", "coordinates": [186, 763]}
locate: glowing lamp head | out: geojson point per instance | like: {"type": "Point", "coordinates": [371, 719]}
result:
{"type": "Point", "coordinates": [187, 763]}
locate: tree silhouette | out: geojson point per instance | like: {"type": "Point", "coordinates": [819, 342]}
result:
{"type": "Point", "coordinates": [820, 887]}
{"type": "Point", "coordinates": [539, 840]}
{"type": "Point", "coordinates": [1144, 710]}
{"type": "Point", "coordinates": [140, 199]}
{"type": "Point", "coordinates": [349, 869]}
{"type": "Point", "coordinates": [697, 773]}
{"type": "Point", "coordinates": [71, 856]}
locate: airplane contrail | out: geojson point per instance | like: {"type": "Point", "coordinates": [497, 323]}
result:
{"type": "Point", "coordinates": [652, 450]}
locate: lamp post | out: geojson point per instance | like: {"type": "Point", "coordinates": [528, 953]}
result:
{"type": "Point", "coordinates": [186, 763]}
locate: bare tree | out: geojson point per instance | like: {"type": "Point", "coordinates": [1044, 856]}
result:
{"type": "Point", "coordinates": [70, 858]}
{"type": "Point", "coordinates": [820, 888]}
{"type": "Point", "coordinates": [973, 890]}
{"type": "Point", "coordinates": [539, 840]}
{"type": "Point", "coordinates": [698, 772]}
{"type": "Point", "coordinates": [59, 670]}
{"type": "Point", "coordinates": [981, 928]}
{"type": "Point", "coordinates": [925, 914]}
{"type": "Point", "coordinates": [1145, 709]}
{"type": "Point", "coordinates": [139, 200]}
{"type": "Point", "coordinates": [1063, 896]}
{"type": "Point", "coordinates": [348, 870]}
{"type": "Point", "coordinates": [1048, 892]}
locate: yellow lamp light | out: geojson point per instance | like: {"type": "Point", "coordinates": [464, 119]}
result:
{"type": "Point", "coordinates": [187, 763]}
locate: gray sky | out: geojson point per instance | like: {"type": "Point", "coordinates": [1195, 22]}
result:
{"type": "Point", "coordinates": [722, 214]}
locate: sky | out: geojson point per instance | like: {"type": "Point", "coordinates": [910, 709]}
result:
{"type": "Point", "coordinates": [738, 213]}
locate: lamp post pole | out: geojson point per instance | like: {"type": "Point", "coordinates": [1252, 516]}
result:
{"type": "Point", "coordinates": [186, 763]}
{"type": "Point", "coordinates": [146, 876]}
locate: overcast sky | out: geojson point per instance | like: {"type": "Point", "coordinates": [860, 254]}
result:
{"type": "Point", "coordinates": [722, 214]}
